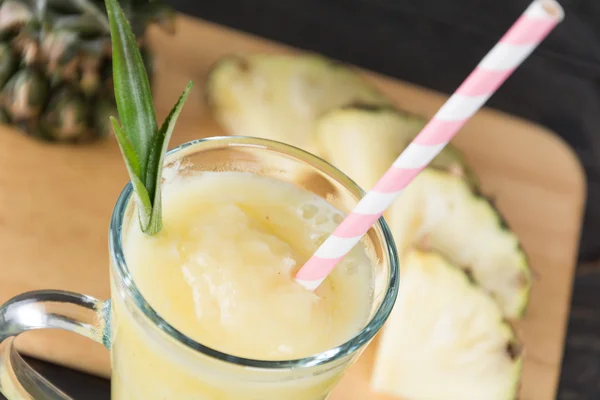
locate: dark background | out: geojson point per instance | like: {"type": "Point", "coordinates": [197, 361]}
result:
{"type": "Point", "coordinates": [436, 43]}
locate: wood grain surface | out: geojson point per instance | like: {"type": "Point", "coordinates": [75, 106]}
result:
{"type": "Point", "coordinates": [55, 203]}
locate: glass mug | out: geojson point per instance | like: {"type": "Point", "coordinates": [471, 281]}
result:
{"type": "Point", "coordinates": [153, 360]}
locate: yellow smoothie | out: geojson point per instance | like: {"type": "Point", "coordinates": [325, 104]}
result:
{"type": "Point", "coordinates": [221, 272]}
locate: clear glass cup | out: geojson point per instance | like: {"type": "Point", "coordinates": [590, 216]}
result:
{"type": "Point", "coordinates": [172, 365]}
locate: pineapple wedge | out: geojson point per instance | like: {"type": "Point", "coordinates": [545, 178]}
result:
{"type": "Point", "coordinates": [445, 339]}
{"type": "Point", "coordinates": [439, 211]}
{"type": "Point", "coordinates": [279, 97]}
{"type": "Point", "coordinates": [364, 141]}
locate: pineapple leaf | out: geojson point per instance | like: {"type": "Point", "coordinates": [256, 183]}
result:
{"type": "Point", "coordinates": [93, 11]}
{"type": "Point", "coordinates": [142, 144]}
{"type": "Point", "coordinates": [132, 88]}
{"type": "Point", "coordinates": [156, 159]}
{"type": "Point", "coordinates": [131, 160]}
{"type": "Point", "coordinates": [132, 165]}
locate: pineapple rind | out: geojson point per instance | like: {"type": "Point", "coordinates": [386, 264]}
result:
{"type": "Point", "coordinates": [439, 211]}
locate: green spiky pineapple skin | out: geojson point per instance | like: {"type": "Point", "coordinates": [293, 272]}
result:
{"type": "Point", "coordinates": [56, 64]}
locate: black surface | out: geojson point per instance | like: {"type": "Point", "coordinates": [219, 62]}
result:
{"type": "Point", "coordinates": [76, 384]}
{"type": "Point", "coordinates": [435, 43]}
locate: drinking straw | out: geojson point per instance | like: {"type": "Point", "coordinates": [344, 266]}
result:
{"type": "Point", "coordinates": [538, 20]}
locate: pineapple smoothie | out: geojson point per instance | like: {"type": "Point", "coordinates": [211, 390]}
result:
{"type": "Point", "coordinates": [221, 272]}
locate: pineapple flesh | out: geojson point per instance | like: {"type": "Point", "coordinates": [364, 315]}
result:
{"type": "Point", "coordinates": [439, 211]}
{"type": "Point", "coordinates": [364, 141]}
{"type": "Point", "coordinates": [279, 97]}
{"type": "Point", "coordinates": [445, 339]}
{"type": "Point", "coordinates": [55, 64]}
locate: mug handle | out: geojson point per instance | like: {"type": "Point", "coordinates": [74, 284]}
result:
{"type": "Point", "coordinates": [43, 309]}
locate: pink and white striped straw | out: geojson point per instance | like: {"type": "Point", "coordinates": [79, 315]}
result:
{"type": "Point", "coordinates": [513, 48]}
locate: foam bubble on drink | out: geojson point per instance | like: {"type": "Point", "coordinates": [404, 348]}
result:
{"type": "Point", "coordinates": [321, 216]}
{"type": "Point", "coordinates": [308, 211]}
{"type": "Point", "coordinates": [337, 218]}
{"type": "Point", "coordinates": [321, 219]}
{"type": "Point", "coordinates": [318, 238]}
{"type": "Point", "coordinates": [288, 265]}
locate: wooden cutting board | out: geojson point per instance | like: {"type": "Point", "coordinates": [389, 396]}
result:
{"type": "Point", "coordinates": [55, 203]}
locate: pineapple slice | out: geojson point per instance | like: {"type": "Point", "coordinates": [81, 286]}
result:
{"type": "Point", "coordinates": [364, 141]}
{"type": "Point", "coordinates": [445, 339]}
{"type": "Point", "coordinates": [438, 211]}
{"type": "Point", "coordinates": [279, 97]}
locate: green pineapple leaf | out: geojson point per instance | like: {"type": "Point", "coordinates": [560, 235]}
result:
{"type": "Point", "coordinates": [132, 88]}
{"type": "Point", "coordinates": [142, 144]}
{"type": "Point", "coordinates": [133, 166]}
{"type": "Point", "coordinates": [157, 156]}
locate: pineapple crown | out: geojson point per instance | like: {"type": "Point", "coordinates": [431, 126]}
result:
{"type": "Point", "coordinates": [56, 63]}
{"type": "Point", "coordinates": [81, 17]}
{"type": "Point", "coordinates": [142, 143]}
{"type": "Point", "coordinates": [59, 29]}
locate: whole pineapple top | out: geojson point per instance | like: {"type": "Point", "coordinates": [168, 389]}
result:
{"type": "Point", "coordinates": [55, 64]}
